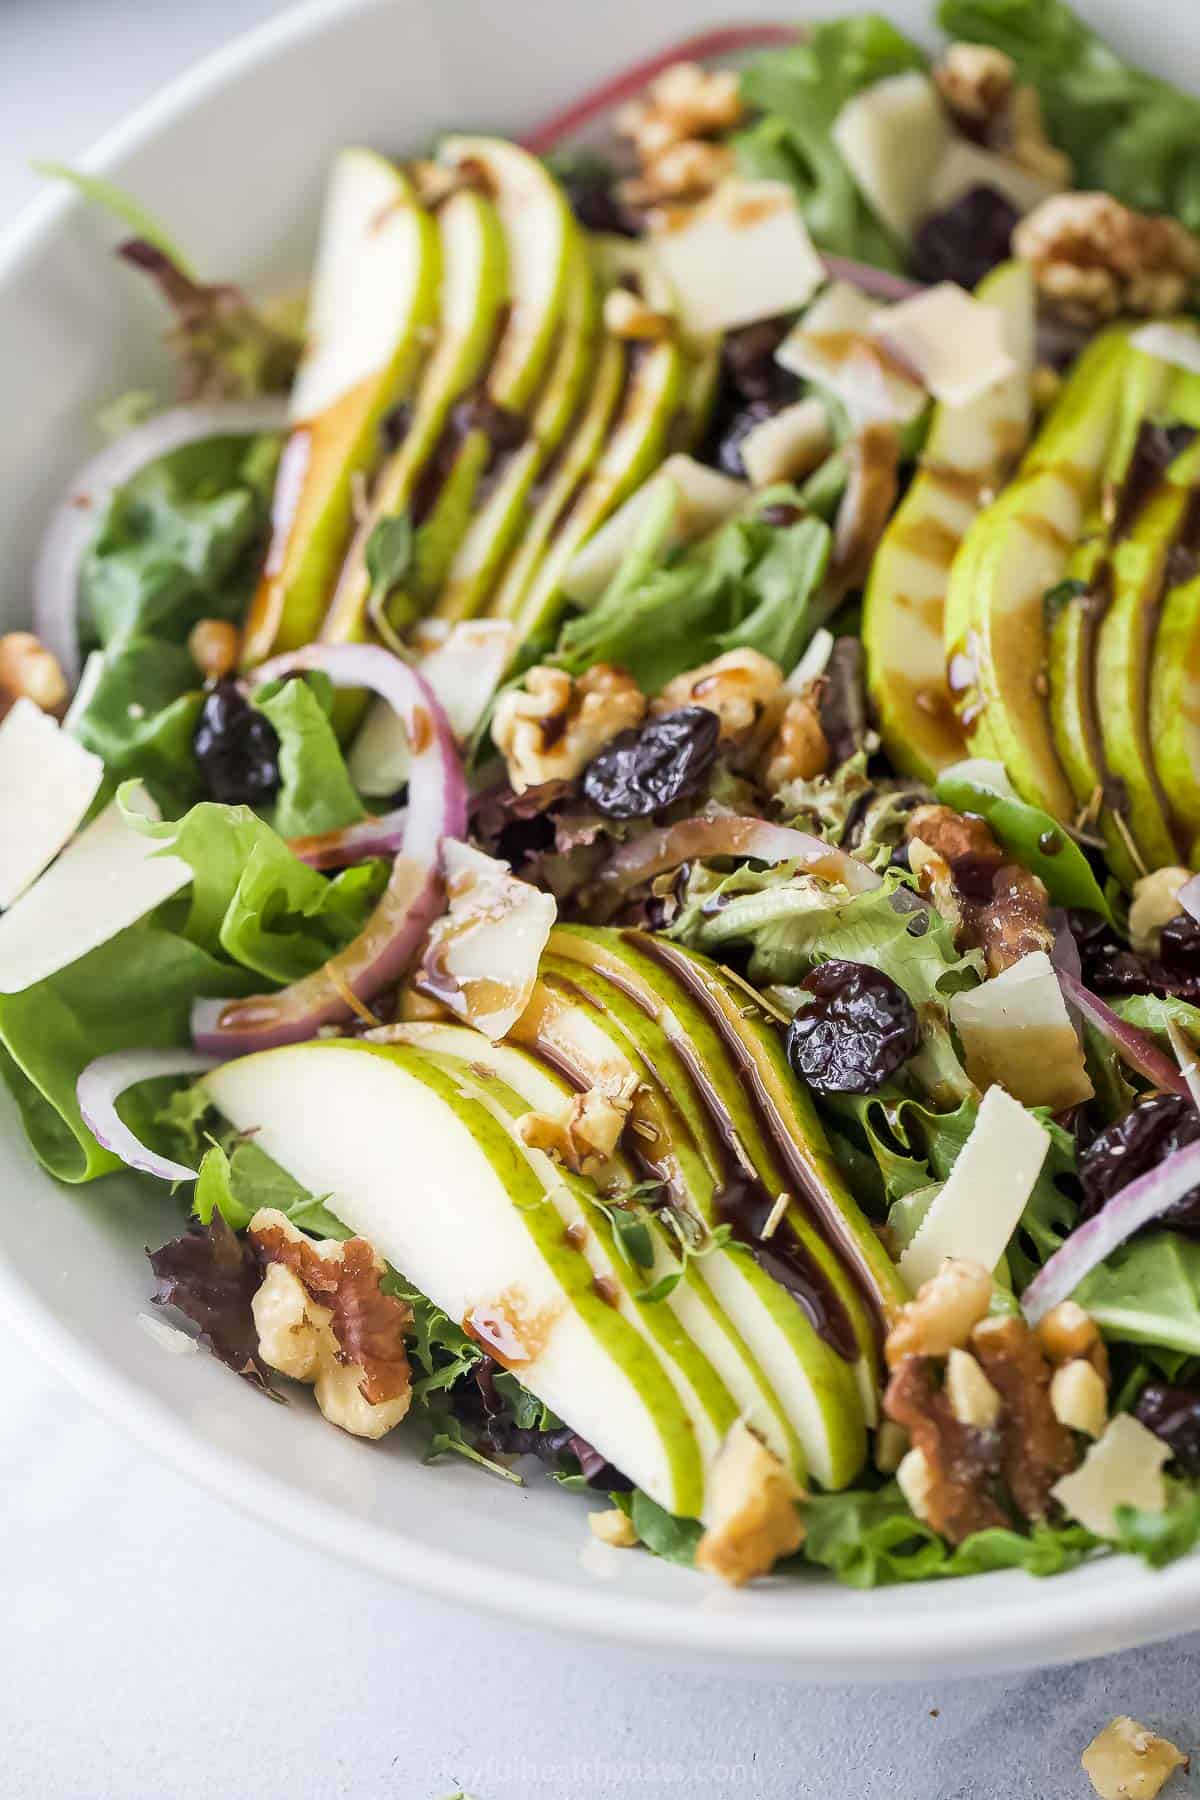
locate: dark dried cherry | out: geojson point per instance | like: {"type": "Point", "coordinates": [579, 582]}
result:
{"type": "Point", "coordinates": [591, 185]}
{"type": "Point", "coordinates": [966, 239]}
{"type": "Point", "coordinates": [753, 387]}
{"type": "Point", "coordinates": [236, 747]}
{"type": "Point", "coordinates": [654, 764]}
{"type": "Point", "coordinates": [1173, 1414]}
{"type": "Point", "coordinates": [859, 1030]}
{"type": "Point", "coordinates": [1134, 1145]}
{"type": "Point", "coordinates": [1110, 967]}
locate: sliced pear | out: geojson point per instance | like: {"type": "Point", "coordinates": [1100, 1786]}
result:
{"type": "Point", "coordinates": [374, 302]}
{"type": "Point", "coordinates": [466, 1220]}
{"type": "Point", "coordinates": [967, 457]}
{"type": "Point", "coordinates": [703, 499]}
{"type": "Point", "coordinates": [498, 522]}
{"type": "Point", "coordinates": [473, 294]}
{"type": "Point", "coordinates": [1175, 700]}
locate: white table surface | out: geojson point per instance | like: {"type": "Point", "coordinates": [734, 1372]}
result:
{"type": "Point", "coordinates": [156, 1646]}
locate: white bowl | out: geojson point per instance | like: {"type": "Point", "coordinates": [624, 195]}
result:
{"type": "Point", "coordinates": [232, 158]}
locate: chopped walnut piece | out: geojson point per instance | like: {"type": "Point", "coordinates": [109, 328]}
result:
{"type": "Point", "coordinates": [551, 727]}
{"type": "Point", "coordinates": [949, 1486]}
{"type": "Point", "coordinates": [685, 103]}
{"type": "Point", "coordinates": [322, 1318]}
{"type": "Point", "coordinates": [738, 686]}
{"type": "Point", "coordinates": [752, 1519]}
{"type": "Point", "coordinates": [944, 1313]}
{"type": "Point", "coordinates": [215, 646]}
{"type": "Point", "coordinates": [1093, 258]}
{"type": "Point", "coordinates": [799, 750]}
{"type": "Point", "coordinates": [1079, 1398]}
{"type": "Point", "coordinates": [687, 171]}
{"type": "Point", "coordinates": [1036, 1449]}
{"type": "Point", "coordinates": [1128, 1761]}
{"type": "Point", "coordinates": [613, 1527]}
{"type": "Point", "coordinates": [976, 82]}
{"type": "Point", "coordinates": [586, 1134]}
{"type": "Point", "coordinates": [973, 1399]}
{"type": "Point", "coordinates": [1068, 1332]}
{"type": "Point", "coordinates": [1000, 907]}
{"type": "Point", "coordinates": [28, 671]}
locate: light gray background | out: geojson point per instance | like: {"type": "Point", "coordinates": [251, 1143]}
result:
{"type": "Point", "coordinates": [155, 1644]}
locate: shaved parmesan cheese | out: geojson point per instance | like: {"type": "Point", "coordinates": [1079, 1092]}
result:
{"type": "Point", "coordinates": [704, 499]}
{"type": "Point", "coordinates": [953, 342]}
{"type": "Point", "coordinates": [979, 1206]}
{"type": "Point", "coordinates": [1173, 344]}
{"type": "Point", "coordinates": [743, 255]}
{"type": "Point", "coordinates": [1124, 1469]}
{"type": "Point", "coordinates": [841, 307]}
{"type": "Point", "coordinates": [872, 387]}
{"type": "Point", "coordinates": [892, 136]}
{"type": "Point", "coordinates": [108, 878]}
{"type": "Point", "coordinates": [787, 446]}
{"type": "Point", "coordinates": [47, 783]}
{"type": "Point", "coordinates": [1016, 1030]}
{"type": "Point", "coordinates": [483, 954]}
{"type": "Point", "coordinates": [964, 165]}
{"type": "Point", "coordinates": [464, 671]}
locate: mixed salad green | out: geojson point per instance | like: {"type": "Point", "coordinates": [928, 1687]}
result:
{"type": "Point", "coordinates": [607, 804]}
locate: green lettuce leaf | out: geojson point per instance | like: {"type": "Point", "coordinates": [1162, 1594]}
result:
{"type": "Point", "coordinates": [141, 717]}
{"type": "Point", "coordinates": [663, 1534]}
{"type": "Point", "coordinates": [236, 1184]}
{"type": "Point", "coordinates": [1162, 1537]}
{"type": "Point", "coordinates": [1127, 132]}
{"type": "Point", "coordinates": [799, 91]}
{"type": "Point", "coordinates": [1148, 1292]}
{"type": "Point", "coordinates": [315, 790]}
{"type": "Point", "coordinates": [1150, 1012]}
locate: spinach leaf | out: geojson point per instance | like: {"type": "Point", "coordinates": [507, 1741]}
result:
{"type": "Point", "coordinates": [1148, 1292]}
{"type": "Point", "coordinates": [315, 791]}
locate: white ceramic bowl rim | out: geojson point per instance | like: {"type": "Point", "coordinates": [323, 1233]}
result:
{"type": "Point", "coordinates": [1010, 1622]}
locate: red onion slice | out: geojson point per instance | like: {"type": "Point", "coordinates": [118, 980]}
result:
{"type": "Point", "coordinates": [1131, 1045]}
{"type": "Point", "coordinates": [381, 835]}
{"type": "Point", "coordinates": [73, 524]}
{"type": "Point", "coordinates": [729, 834]}
{"type": "Point", "coordinates": [1143, 1201]}
{"type": "Point", "coordinates": [881, 284]}
{"type": "Point", "coordinates": [103, 1082]}
{"type": "Point", "coordinates": [1189, 897]}
{"type": "Point", "coordinates": [380, 955]}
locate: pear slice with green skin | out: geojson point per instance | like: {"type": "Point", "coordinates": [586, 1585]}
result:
{"type": "Point", "coordinates": [1175, 702]}
{"type": "Point", "coordinates": [497, 525]}
{"type": "Point", "coordinates": [969, 452]}
{"type": "Point", "coordinates": [374, 301]}
{"type": "Point", "coordinates": [468, 1223]}
{"type": "Point", "coordinates": [1016, 551]}
{"type": "Point", "coordinates": [816, 1388]}
{"type": "Point", "coordinates": [474, 291]}
{"type": "Point", "coordinates": [1125, 642]}
{"type": "Point", "coordinates": [592, 1051]}
{"type": "Point", "coordinates": [511, 1083]}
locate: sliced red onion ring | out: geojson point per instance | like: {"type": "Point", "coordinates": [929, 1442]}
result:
{"type": "Point", "coordinates": [1189, 897]}
{"type": "Point", "coordinates": [881, 284]}
{"type": "Point", "coordinates": [104, 1081]}
{"type": "Point", "coordinates": [73, 524]}
{"type": "Point", "coordinates": [1131, 1045]}
{"type": "Point", "coordinates": [1143, 1201]}
{"type": "Point", "coordinates": [729, 834]}
{"type": "Point", "coordinates": [381, 835]}
{"type": "Point", "coordinates": [380, 955]}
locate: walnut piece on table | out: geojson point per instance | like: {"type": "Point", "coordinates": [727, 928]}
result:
{"type": "Point", "coordinates": [1128, 1761]}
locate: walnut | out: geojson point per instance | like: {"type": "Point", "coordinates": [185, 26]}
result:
{"type": "Point", "coordinates": [215, 646]}
{"type": "Point", "coordinates": [752, 1519]}
{"type": "Point", "coordinates": [686, 101]}
{"type": "Point", "coordinates": [1155, 901]}
{"type": "Point", "coordinates": [613, 1527]}
{"type": "Point", "coordinates": [28, 671]}
{"type": "Point", "coordinates": [944, 1313]}
{"type": "Point", "coordinates": [1079, 1398]}
{"type": "Point", "coordinates": [799, 750]}
{"type": "Point", "coordinates": [949, 1479]}
{"type": "Point", "coordinates": [1067, 1332]}
{"type": "Point", "coordinates": [322, 1318]}
{"type": "Point", "coordinates": [976, 82]}
{"type": "Point", "coordinates": [586, 1134]}
{"type": "Point", "coordinates": [1128, 1761]}
{"type": "Point", "coordinates": [552, 726]}
{"type": "Point", "coordinates": [1037, 1449]}
{"type": "Point", "coordinates": [738, 686]}
{"type": "Point", "coordinates": [1093, 258]}
{"type": "Point", "coordinates": [973, 1399]}
{"type": "Point", "coordinates": [627, 316]}
{"type": "Point", "coordinates": [688, 171]}
{"type": "Point", "coordinates": [995, 905]}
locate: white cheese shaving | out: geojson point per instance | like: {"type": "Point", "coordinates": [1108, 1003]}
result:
{"type": "Point", "coordinates": [47, 783]}
{"type": "Point", "coordinates": [463, 670]}
{"type": "Point", "coordinates": [856, 368]}
{"type": "Point", "coordinates": [840, 307]}
{"type": "Point", "coordinates": [744, 255]}
{"type": "Point", "coordinates": [704, 498]}
{"type": "Point", "coordinates": [107, 878]}
{"type": "Point", "coordinates": [1125, 1468]}
{"type": "Point", "coordinates": [483, 954]}
{"type": "Point", "coordinates": [788, 446]}
{"type": "Point", "coordinates": [954, 343]}
{"type": "Point", "coordinates": [1173, 344]}
{"type": "Point", "coordinates": [979, 1206]}
{"type": "Point", "coordinates": [892, 137]}
{"type": "Point", "coordinates": [1016, 1030]}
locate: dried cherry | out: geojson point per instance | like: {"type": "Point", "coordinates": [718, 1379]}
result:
{"type": "Point", "coordinates": [1173, 1414]}
{"type": "Point", "coordinates": [653, 764]}
{"type": "Point", "coordinates": [1134, 1145]}
{"type": "Point", "coordinates": [859, 1030]}
{"type": "Point", "coordinates": [966, 239]}
{"type": "Point", "coordinates": [236, 747]}
{"type": "Point", "coordinates": [1110, 967]}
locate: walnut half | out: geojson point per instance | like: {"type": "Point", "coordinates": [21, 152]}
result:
{"type": "Point", "coordinates": [1093, 258]}
{"type": "Point", "coordinates": [551, 727]}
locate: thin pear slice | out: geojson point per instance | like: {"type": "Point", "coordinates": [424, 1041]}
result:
{"type": "Point", "coordinates": [498, 522]}
{"type": "Point", "coordinates": [1175, 699]}
{"type": "Point", "coordinates": [374, 302]}
{"type": "Point", "coordinates": [1016, 551]}
{"type": "Point", "coordinates": [474, 291]}
{"type": "Point", "coordinates": [413, 1161]}
{"type": "Point", "coordinates": [968, 455]}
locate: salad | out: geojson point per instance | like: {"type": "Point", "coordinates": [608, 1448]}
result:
{"type": "Point", "coordinates": [606, 804]}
